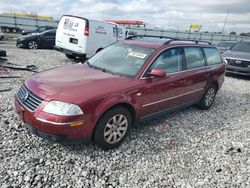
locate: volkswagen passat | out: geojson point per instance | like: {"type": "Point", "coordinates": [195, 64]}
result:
{"type": "Point", "coordinates": [131, 80]}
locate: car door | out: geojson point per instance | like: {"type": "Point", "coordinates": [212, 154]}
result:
{"type": "Point", "coordinates": [48, 39]}
{"type": "Point", "coordinates": [163, 93]}
{"type": "Point", "coordinates": [196, 73]}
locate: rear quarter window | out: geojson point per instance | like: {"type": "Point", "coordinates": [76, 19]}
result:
{"type": "Point", "coordinates": [213, 56]}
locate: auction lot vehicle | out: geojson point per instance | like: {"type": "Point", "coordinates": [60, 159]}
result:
{"type": "Point", "coordinates": [81, 37]}
{"type": "Point", "coordinates": [38, 30]}
{"type": "Point", "coordinates": [225, 45]}
{"type": "Point", "coordinates": [45, 39]}
{"type": "Point", "coordinates": [238, 58]}
{"type": "Point", "coordinates": [128, 81]}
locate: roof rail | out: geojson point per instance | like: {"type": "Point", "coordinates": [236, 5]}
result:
{"type": "Point", "coordinates": [170, 39]}
{"type": "Point", "coordinates": [141, 36]}
{"type": "Point", "coordinates": [188, 40]}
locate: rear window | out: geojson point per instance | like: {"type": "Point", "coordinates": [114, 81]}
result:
{"type": "Point", "coordinates": [194, 57]}
{"type": "Point", "coordinates": [213, 56]}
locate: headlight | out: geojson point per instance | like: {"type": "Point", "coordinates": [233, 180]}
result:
{"type": "Point", "coordinates": [62, 108]}
{"type": "Point", "coordinates": [225, 60]}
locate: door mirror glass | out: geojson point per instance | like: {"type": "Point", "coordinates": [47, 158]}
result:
{"type": "Point", "coordinates": [157, 73]}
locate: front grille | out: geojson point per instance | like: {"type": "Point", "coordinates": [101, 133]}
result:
{"type": "Point", "coordinates": [28, 99]}
{"type": "Point", "coordinates": [238, 62]}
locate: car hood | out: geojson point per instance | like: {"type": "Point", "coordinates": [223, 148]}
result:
{"type": "Point", "coordinates": [236, 54]}
{"type": "Point", "coordinates": [24, 37]}
{"type": "Point", "coordinates": [75, 83]}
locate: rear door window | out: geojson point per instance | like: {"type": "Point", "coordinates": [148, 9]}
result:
{"type": "Point", "coordinates": [194, 57]}
{"type": "Point", "coordinates": [212, 55]}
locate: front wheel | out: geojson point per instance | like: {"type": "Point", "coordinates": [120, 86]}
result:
{"type": "Point", "coordinates": [32, 44]}
{"type": "Point", "coordinates": [112, 128]}
{"type": "Point", "coordinates": [208, 98]}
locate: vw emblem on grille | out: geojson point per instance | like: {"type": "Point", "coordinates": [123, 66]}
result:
{"type": "Point", "coordinates": [238, 61]}
{"type": "Point", "coordinates": [24, 96]}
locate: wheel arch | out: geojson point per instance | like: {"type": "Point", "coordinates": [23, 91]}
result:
{"type": "Point", "coordinates": [216, 84]}
{"type": "Point", "coordinates": [125, 105]}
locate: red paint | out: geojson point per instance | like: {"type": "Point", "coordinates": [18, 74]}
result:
{"type": "Point", "coordinates": [95, 92]}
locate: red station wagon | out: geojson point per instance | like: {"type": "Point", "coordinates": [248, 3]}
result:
{"type": "Point", "coordinates": [131, 80]}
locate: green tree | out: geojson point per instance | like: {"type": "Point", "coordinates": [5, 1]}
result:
{"type": "Point", "coordinates": [232, 33]}
{"type": "Point", "coordinates": [243, 34]}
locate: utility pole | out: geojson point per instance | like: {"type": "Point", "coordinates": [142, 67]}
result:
{"type": "Point", "coordinates": [225, 21]}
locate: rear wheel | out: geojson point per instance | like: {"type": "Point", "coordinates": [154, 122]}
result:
{"type": "Point", "coordinates": [70, 56]}
{"type": "Point", "coordinates": [112, 128]}
{"type": "Point", "coordinates": [32, 44]}
{"type": "Point", "coordinates": [208, 98]}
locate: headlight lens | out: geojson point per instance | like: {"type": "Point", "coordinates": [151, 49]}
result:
{"type": "Point", "coordinates": [225, 60]}
{"type": "Point", "coordinates": [62, 108]}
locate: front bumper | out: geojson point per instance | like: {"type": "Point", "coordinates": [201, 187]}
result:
{"type": "Point", "coordinates": [20, 44]}
{"type": "Point", "coordinates": [55, 128]}
{"type": "Point", "coordinates": [238, 70]}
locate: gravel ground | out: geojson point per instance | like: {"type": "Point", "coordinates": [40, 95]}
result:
{"type": "Point", "coordinates": [189, 148]}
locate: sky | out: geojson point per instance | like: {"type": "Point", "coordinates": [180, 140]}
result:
{"type": "Point", "coordinates": [166, 14]}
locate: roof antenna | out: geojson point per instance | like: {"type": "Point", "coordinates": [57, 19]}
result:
{"type": "Point", "coordinates": [197, 33]}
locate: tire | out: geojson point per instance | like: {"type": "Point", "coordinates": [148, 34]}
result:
{"type": "Point", "coordinates": [112, 128]}
{"type": "Point", "coordinates": [70, 56]}
{"type": "Point", "coordinates": [208, 97]}
{"type": "Point", "coordinates": [32, 44]}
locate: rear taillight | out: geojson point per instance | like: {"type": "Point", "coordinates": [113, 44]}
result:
{"type": "Point", "coordinates": [86, 31]}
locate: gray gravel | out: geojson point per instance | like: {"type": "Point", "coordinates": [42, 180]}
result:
{"type": "Point", "coordinates": [189, 148]}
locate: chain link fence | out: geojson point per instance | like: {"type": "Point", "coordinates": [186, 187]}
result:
{"type": "Point", "coordinates": [15, 24]}
{"type": "Point", "coordinates": [214, 38]}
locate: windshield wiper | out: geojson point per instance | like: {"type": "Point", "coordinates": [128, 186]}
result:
{"type": "Point", "coordinates": [95, 67]}
{"type": "Point", "coordinates": [102, 69]}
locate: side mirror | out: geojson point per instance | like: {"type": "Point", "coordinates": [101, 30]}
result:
{"type": "Point", "coordinates": [157, 73]}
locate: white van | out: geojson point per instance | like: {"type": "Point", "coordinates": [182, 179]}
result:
{"type": "Point", "coordinates": [81, 37]}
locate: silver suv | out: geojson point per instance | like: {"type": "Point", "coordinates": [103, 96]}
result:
{"type": "Point", "coordinates": [238, 58]}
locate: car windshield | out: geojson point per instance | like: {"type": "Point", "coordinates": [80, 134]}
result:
{"type": "Point", "coordinates": [242, 47]}
{"type": "Point", "coordinates": [225, 44]}
{"type": "Point", "coordinates": [121, 59]}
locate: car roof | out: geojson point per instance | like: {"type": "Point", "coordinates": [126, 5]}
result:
{"type": "Point", "coordinates": [158, 41]}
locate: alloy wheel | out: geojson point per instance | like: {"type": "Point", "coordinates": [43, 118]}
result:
{"type": "Point", "coordinates": [33, 45]}
{"type": "Point", "coordinates": [115, 128]}
{"type": "Point", "coordinates": [210, 96]}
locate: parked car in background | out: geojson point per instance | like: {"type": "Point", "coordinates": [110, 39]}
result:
{"type": "Point", "coordinates": [131, 80]}
{"type": "Point", "coordinates": [81, 37]}
{"type": "Point", "coordinates": [45, 39]}
{"type": "Point", "coordinates": [238, 58]}
{"type": "Point", "coordinates": [1, 35]}
{"type": "Point", "coordinates": [38, 30]}
{"type": "Point", "coordinates": [225, 45]}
